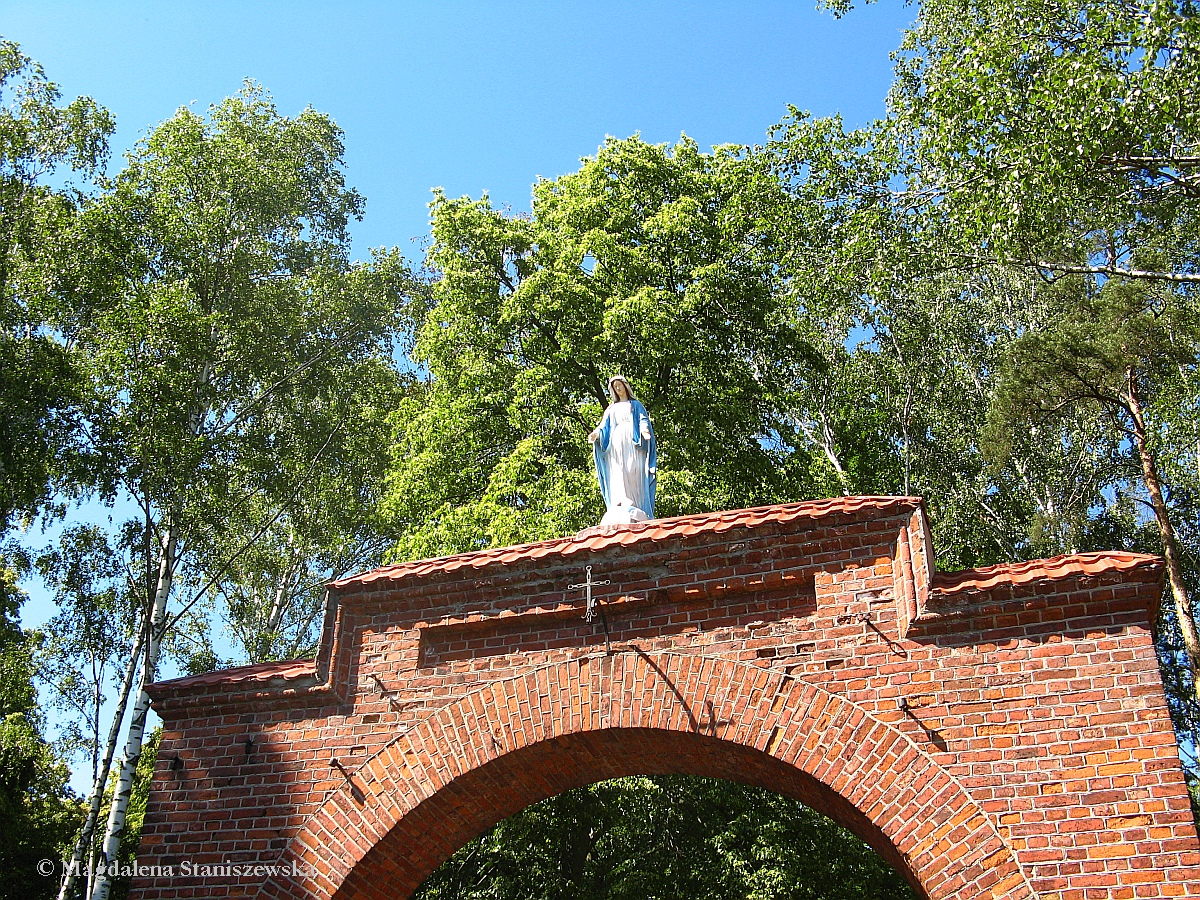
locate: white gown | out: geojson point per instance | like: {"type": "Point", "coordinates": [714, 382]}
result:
{"type": "Point", "coordinates": [627, 476]}
{"type": "Point", "coordinates": [626, 461]}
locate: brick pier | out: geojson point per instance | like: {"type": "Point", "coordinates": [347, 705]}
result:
{"type": "Point", "coordinates": [998, 732]}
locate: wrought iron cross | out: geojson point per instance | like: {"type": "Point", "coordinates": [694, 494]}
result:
{"type": "Point", "coordinates": [586, 585]}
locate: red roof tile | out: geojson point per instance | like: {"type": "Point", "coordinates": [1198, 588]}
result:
{"type": "Point", "coordinates": [988, 577]}
{"type": "Point", "coordinates": [601, 537]}
{"type": "Point", "coordinates": [259, 673]}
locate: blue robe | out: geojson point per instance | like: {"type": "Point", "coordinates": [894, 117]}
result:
{"type": "Point", "coordinates": [601, 446]}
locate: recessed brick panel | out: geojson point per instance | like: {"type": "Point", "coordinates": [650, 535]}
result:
{"type": "Point", "coordinates": [994, 733]}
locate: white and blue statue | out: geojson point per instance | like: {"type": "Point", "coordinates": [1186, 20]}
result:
{"type": "Point", "coordinates": [626, 457]}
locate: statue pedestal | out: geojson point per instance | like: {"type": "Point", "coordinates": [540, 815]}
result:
{"type": "Point", "coordinates": [624, 515]}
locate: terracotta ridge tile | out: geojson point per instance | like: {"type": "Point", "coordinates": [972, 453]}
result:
{"type": "Point", "coordinates": [1057, 567]}
{"type": "Point", "coordinates": [256, 673]}
{"type": "Point", "coordinates": [600, 537]}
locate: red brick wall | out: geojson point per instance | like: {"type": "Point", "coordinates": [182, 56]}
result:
{"type": "Point", "coordinates": [994, 733]}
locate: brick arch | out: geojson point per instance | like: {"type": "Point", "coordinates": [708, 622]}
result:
{"type": "Point", "coordinates": [513, 742]}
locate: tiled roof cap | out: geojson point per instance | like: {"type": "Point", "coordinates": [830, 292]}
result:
{"type": "Point", "coordinates": [298, 672]}
{"type": "Point", "coordinates": [989, 577]}
{"type": "Point", "coordinates": [602, 537]}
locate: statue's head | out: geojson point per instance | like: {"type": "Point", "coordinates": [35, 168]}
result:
{"type": "Point", "coordinates": [619, 389]}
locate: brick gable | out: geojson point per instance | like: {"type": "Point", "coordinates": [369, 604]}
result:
{"type": "Point", "coordinates": [994, 733]}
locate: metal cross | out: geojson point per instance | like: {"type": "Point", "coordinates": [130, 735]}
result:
{"type": "Point", "coordinates": [587, 586]}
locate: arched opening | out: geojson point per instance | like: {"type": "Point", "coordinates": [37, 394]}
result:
{"type": "Point", "coordinates": [504, 787]}
{"type": "Point", "coordinates": [666, 836]}
{"type": "Point", "coordinates": [515, 742]}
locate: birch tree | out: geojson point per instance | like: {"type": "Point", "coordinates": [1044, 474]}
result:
{"type": "Point", "coordinates": [274, 560]}
{"type": "Point", "coordinates": [39, 387]}
{"type": "Point", "coordinates": [1060, 138]}
{"type": "Point", "coordinates": [90, 647]}
{"type": "Point", "coordinates": [50, 154]}
{"type": "Point", "coordinates": [218, 368]}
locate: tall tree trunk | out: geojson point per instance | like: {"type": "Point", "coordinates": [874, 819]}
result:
{"type": "Point", "coordinates": [828, 445]}
{"type": "Point", "coordinates": [137, 724]}
{"type": "Point", "coordinates": [283, 588]}
{"type": "Point", "coordinates": [1166, 531]}
{"type": "Point", "coordinates": [83, 843]}
{"type": "Point", "coordinates": [156, 627]}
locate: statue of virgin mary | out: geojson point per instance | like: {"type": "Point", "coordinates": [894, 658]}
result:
{"type": "Point", "coordinates": [626, 457]}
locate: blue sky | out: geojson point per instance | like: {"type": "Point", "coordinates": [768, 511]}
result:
{"type": "Point", "coordinates": [470, 96]}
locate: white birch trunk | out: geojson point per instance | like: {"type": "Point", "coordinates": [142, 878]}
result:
{"type": "Point", "coordinates": [825, 441]}
{"type": "Point", "coordinates": [137, 724]}
{"type": "Point", "coordinates": [280, 601]}
{"type": "Point", "coordinates": [156, 628]}
{"type": "Point", "coordinates": [99, 776]}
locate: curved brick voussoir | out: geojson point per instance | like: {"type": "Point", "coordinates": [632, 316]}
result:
{"type": "Point", "coordinates": [515, 742]}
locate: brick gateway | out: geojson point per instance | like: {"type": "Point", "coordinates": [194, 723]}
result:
{"type": "Point", "coordinates": [998, 732]}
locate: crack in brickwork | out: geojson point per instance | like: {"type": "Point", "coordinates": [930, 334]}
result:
{"type": "Point", "coordinates": [1000, 733]}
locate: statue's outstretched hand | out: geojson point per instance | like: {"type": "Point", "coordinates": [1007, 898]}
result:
{"type": "Point", "coordinates": [645, 430]}
{"type": "Point", "coordinates": [594, 436]}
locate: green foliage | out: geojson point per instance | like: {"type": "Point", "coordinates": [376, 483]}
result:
{"type": "Point", "coordinates": [17, 692]}
{"type": "Point", "coordinates": [328, 528]}
{"type": "Point", "coordinates": [38, 812]}
{"type": "Point", "coordinates": [231, 351]}
{"type": "Point", "coordinates": [648, 261]}
{"type": "Point", "coordinates": [1099, 350]}
{"type": "Point", "coordinates": [913, 341]}
{"type": "Point", "coordinates": [1099, 339]}
{"type": "Point", "coordinates": [1055, 132]}
{"type": "Point", "coordinates": [232, 233]}
{"type": "Point", "coordinates": [38, 385]}
{"type": "Point", "coordinates": [84, 647]}
{"type": "Point", "coordinates": [666, 836]}
{"type": "Point", "coordinates": [239, 360]}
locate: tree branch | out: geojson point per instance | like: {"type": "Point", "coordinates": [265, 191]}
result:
{"type": "Point", "coordinates": [1118, 272]}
